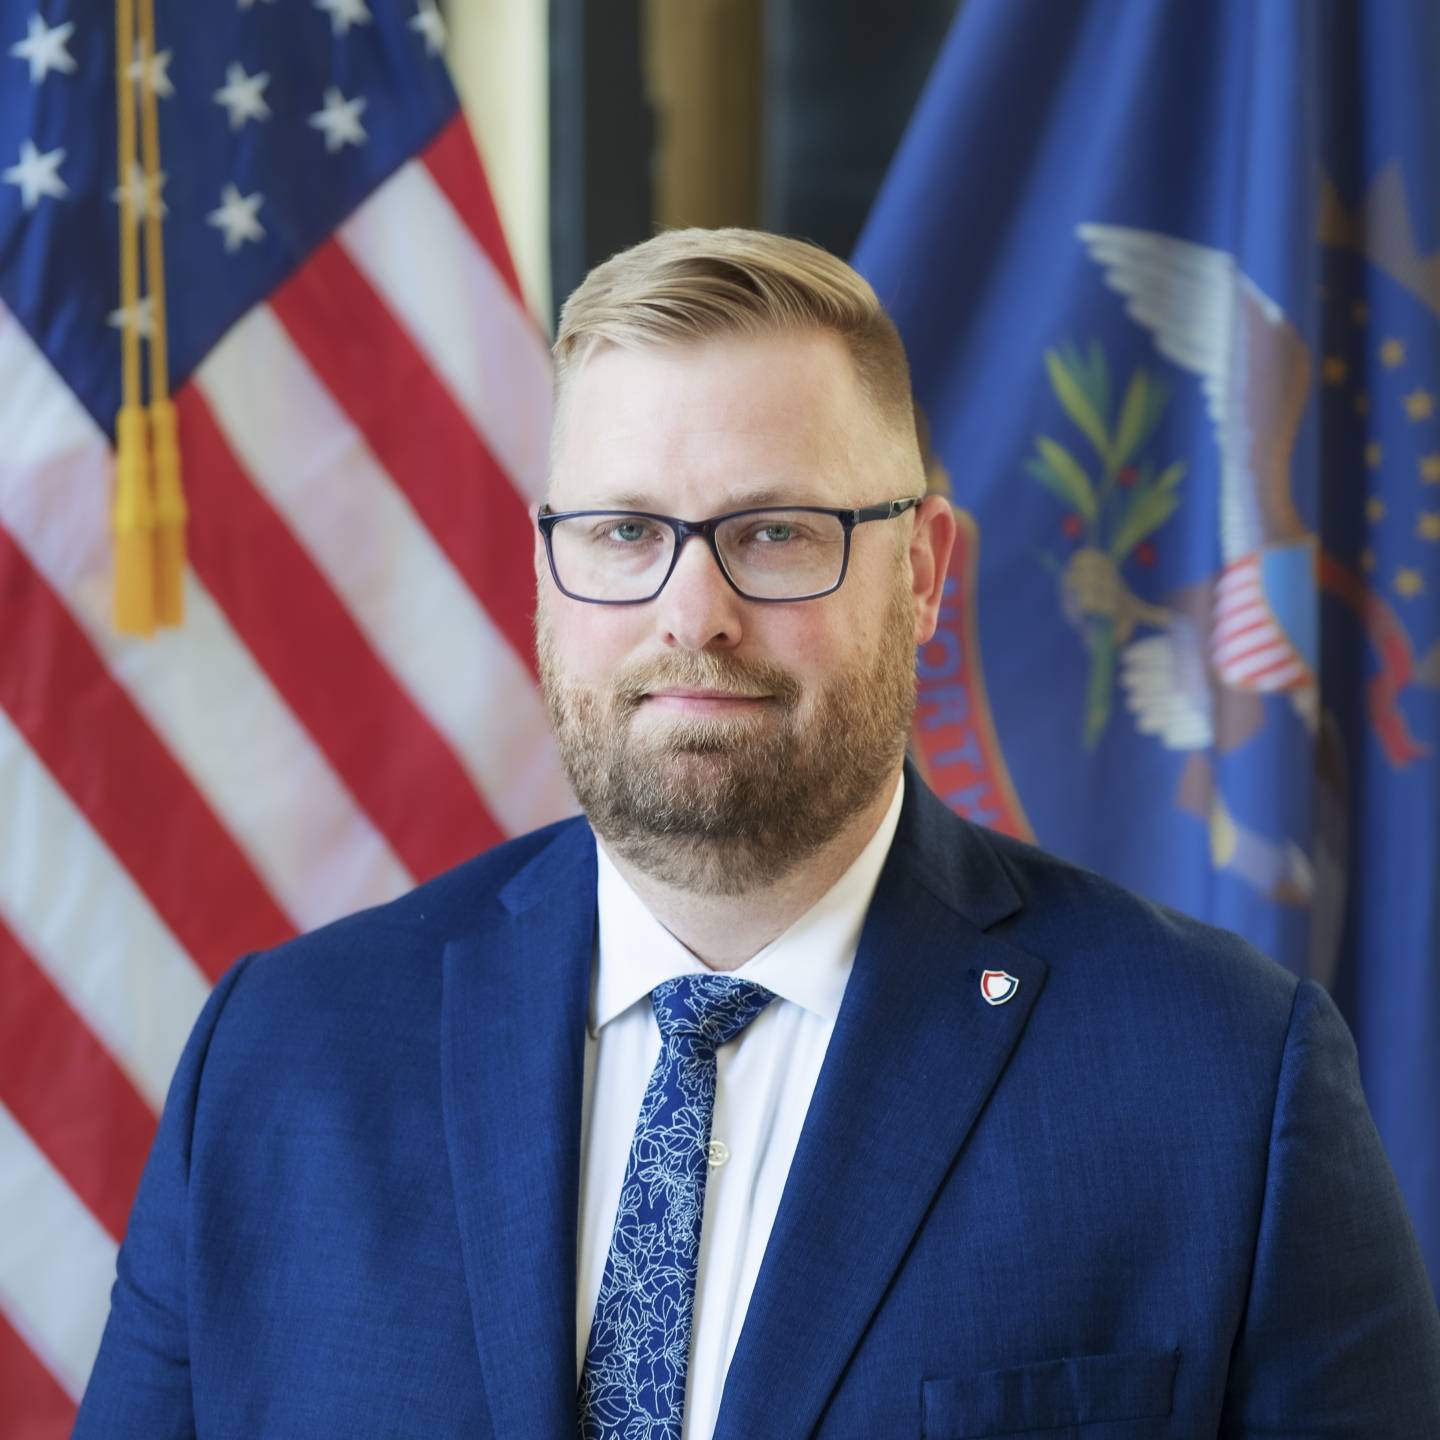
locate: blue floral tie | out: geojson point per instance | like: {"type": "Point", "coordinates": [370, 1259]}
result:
{"type": "Point", "coordinates": [633, 1383]}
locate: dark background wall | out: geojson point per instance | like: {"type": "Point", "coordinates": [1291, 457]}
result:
{"type": "Point", "coordinates": [777, 113]}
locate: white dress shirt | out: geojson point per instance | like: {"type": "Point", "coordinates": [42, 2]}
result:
{"type": "Point", "coordinates": [766, 1076]}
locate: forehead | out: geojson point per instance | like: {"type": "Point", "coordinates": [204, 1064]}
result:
{"type": "Point", "coordinates": [736, 420]}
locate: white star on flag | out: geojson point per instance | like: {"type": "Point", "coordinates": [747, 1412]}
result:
{"type": "Point", "coordinates": [153, 74]}
{"type": "Point", "coordinates": [344, 13]}
{"type": "Point", "coordinates": [340, 120]}
{"type": "Point", "coordinates": [430, 23]}
{"type": "Point", "coordinates": [44, 49]}
{"type": "Point", "coordinates": [140, 190]}
{"type": "Point", "coordinates": [236, 216]}
{"type": "Point", "coordinates": [141, 315]}
{"type": "Point", "coordinates": [37, 174]}
{"type": "Point", "coordinates": [243, 96]}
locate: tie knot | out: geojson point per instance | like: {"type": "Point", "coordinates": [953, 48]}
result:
{"type": "Point", "coordinates": [712, 1008]}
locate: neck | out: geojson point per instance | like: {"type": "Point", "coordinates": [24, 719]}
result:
{"type": "Point", "coordinates": [724, 931]}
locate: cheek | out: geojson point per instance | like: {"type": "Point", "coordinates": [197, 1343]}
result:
{"type": "Point", "coordinates": [590, 642]}
{"type": "Point", "coordinates": [808, 642]}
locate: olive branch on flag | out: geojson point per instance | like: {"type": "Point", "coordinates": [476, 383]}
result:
{"type": "Point", "coordinates": [1130, 500]}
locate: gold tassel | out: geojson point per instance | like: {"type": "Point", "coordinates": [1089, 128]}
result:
{"type": "Point", "coordinates": [170, 515]}
{"type": "Point", "coordinates": [170, 510]}
{"type": "Point", "coordinates": [133, 510]}
{"type": "Point", "coordinates": [149, 512]}
{"type": "Point", "coordinates": [133, 520]}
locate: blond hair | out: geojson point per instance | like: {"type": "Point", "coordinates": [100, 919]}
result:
{"type": "Point", "coordinates": [689, 285]}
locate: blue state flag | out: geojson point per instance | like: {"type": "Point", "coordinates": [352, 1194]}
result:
{"type": "Point", "coordinates": [1169, 278]}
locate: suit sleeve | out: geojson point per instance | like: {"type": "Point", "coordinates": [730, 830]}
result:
{"type": "Point", "coordinates": [1340, 1336]}
{"type": "Point", "coordinates": [140, 1385]}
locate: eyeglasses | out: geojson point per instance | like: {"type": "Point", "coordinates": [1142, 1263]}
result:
{"type": "Point", "coordinates": [775, 554]}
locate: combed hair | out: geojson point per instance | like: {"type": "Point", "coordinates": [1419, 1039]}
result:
{"type": "Point", "coordinates": [690, 285]}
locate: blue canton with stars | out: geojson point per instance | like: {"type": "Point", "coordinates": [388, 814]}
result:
{"type": "Point", "coordinates": [277, 119]}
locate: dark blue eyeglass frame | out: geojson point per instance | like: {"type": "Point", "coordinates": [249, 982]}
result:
{"type": "Point", "coordinates": [684, 529]}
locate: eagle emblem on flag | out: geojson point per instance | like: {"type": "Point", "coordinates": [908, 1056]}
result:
{"type": "Point", "coordinates": [1197, 672]}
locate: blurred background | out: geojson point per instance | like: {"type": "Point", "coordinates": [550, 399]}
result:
{"type": "Point", "coordinates": [646, 114]}
{"type": "Point", "coordinates": [276, 285]}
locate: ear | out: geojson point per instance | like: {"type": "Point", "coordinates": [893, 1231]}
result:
{"type": "Point", "coordinates": [930, 546]}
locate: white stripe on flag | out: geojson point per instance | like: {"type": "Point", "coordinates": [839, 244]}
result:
{"type": "Point", "coordinates": [1246, 590]}
{"type": "Point", "coordinates": [56, 1261]}
{"type": "Point", "coordinates": [461, 314]}
{"type": "Point", "coordinates": [89, 926]}
{"type": "Point", "coordinates": [311, 463]}
{"type": "Point", "coordinates": [1282, 678]}
{"type": "Point", "coordinates": [247, 754]}
{"type": "Point", "coordinates": [1230, 622]}
{"type": "Point", "coordinates": [1262, 636]}
{"type": "Point", "coordinates": [1240, 670]}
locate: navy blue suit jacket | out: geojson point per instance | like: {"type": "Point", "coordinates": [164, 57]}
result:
{"type": "Point", "coordinates": [1143, 1197]}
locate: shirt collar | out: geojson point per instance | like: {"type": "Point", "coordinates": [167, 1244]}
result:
{"type": "Point", "coordinates": [809, 964]}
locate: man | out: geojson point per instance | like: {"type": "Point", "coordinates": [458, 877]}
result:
{"type": "Point", "coordinates": [775, 1100]}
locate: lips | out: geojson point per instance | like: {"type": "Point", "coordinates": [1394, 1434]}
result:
{"type": "Point", "coordinates": [718, 696]}
{"type": "Point", "coordinates": [705, 683]}
{"type": "Point", "coordinates": [681, 701]}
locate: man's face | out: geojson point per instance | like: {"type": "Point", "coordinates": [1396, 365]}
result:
{"type": "Point", "coordinates": [715, 741]}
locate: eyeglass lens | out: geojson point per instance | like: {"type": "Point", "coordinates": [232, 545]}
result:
{"type": "Point", "coordinates": [769, 554]}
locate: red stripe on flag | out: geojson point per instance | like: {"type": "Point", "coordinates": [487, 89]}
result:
{"type": "Point", "coordinates": [1223, 636]}
{"type": "Point", "coordinates": [381, 744]}
{"type": "Point", "coordinates": [455, 163]}
{"type": "Point", "coordinates": [412, 423]}
{"type": "Point", "coordinates": [1240, 603]}
{"type": "Point", "coordinates": [1294, 675]}
{"type": "Point", "coordinates": [98, 746]}
{"type": "Point", "coordinates": [35, 1406]}
{"type": "Point", "coordinates": [73, 1100]}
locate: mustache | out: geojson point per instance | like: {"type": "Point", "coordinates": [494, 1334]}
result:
{"type": "Point", "coordinates": [705, 671]}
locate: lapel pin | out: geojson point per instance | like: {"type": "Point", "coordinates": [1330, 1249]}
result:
{"type": "Point", "coordinates": [998, 986]}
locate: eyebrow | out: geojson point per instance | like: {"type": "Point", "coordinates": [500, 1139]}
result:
{"type": "Point", "coordinates": [739, 500]}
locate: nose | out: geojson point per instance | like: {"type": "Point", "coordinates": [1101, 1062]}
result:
{"type": "Point", "coordinates": [697, 609]}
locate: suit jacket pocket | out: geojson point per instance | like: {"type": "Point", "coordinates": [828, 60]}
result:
{"type": "Point", "coordinates": [1056, 1393]}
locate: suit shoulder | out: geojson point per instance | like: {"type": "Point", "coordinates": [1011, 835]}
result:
{"type": "Point", "coordinates": [1079, 921]}
{"type": "Point", "coordinates": [410, 931]}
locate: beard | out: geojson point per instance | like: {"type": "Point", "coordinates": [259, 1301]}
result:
{"type": "Point", "coordinates": [724, 805]}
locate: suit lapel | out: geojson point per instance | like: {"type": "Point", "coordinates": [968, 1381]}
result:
{"type": "Point", "coordinates": [512, 1057]}
{"type": "Point", "coordinates": [915, 1053]}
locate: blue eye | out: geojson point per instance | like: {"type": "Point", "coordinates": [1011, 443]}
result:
{"type": "Point", "coordinates": [624, 532]}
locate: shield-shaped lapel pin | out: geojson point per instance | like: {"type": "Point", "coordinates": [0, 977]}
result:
{"type": "Point", "coordinates": [998, 986]}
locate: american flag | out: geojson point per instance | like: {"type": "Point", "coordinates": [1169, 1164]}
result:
{"type": "Point", "coordinates": [350, 705]}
